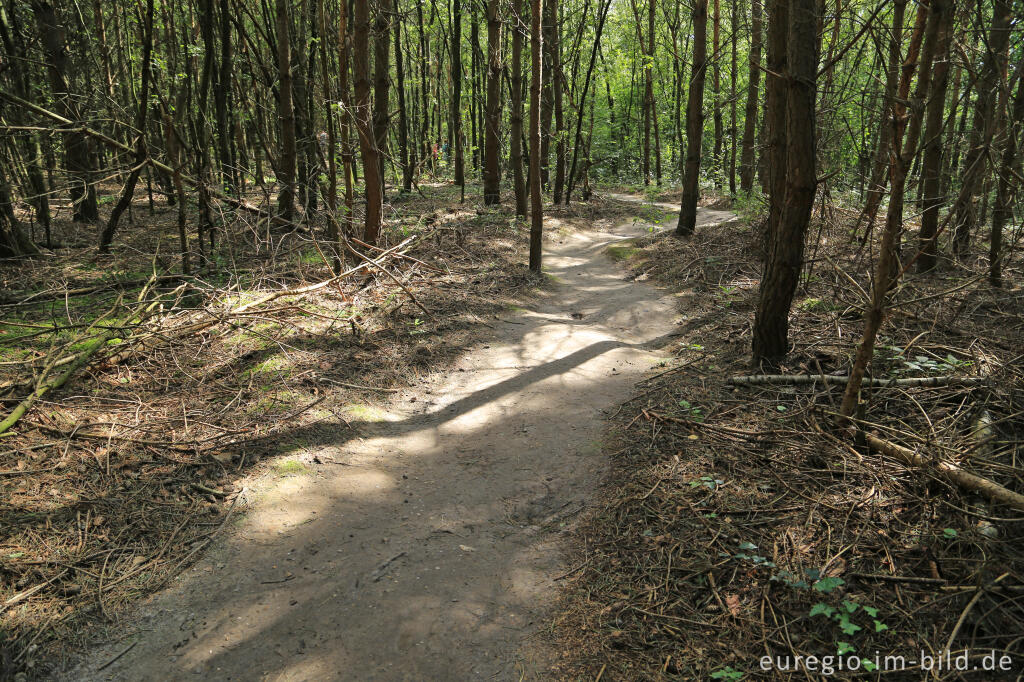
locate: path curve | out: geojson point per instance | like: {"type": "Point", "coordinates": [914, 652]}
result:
{"type": "Point", "coordinates": [431, 549]}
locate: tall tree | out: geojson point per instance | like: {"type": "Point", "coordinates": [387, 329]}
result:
{"type": "Point", "coordinates": [753, 96]}
{"type": "Point", "coordinates": [78, 153]}
{"type": "Point", "coordinates": [694, 121]}
{"type": "Point", "coordinates": [455, 127]}
{"type": "Point", "coordinates": [932, 144]}
{"type": "Point", "coordinates": [516, 113]}
{"type": "Point", "coordinates": [363, 116]}
{"type": "Point", "coordinates": [786, 245]}
{"type": "Point", "coordinates": [288, 160]}
{"type": "Point", "coordinates": [536, 200]}
{"type": "Point", "coordinates": [983, 125]}
{"type": "Point", "coordinates": [492, 174]}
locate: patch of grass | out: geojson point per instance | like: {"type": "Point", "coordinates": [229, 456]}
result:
{"type": "Point", "coordinates": [622, 253]}
{"type": "Point", "coordinates": [366, 413]}
{"type": "Point", "coordinates": [291, 467]}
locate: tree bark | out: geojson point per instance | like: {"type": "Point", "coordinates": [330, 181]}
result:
{"type": "Point", "coordinates": [1008, 184]}
{"type": "Point", "coordinates": [786, 249]}
{"type": "Point", "coordinates": [492, 121]}
{"type": "Point", "coordinates": [455, 130]}
{"type": "Point", "coordinates": [932, 144]}
{"type": "Point", "coordinates": [753, 96]}
{"type": "Point", "coordinates": [77, 148]}
{"type": "Point", "coordinates": [694, 121]}
{"type": "Point", "coordinates": [363, 116]}
{"type": "Point", "coordinates": [516, 115]}
{"type": "Point", "coordinates": [286, 112]}
{"type": "Point", "coordinates": [983, 126]}
{"type": "Point", "coordinates": [536, 200]}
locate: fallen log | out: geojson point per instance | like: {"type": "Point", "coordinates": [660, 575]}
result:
{"type": "Point", "coordinates": [949, 471]}
{"type": "Point", "coordinates": [842, 380]}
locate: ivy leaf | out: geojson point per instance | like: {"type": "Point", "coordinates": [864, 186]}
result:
{"type": "Point", "coordinates": [826, 585]}
{"type": "Point", "coordinates": [821, 609]}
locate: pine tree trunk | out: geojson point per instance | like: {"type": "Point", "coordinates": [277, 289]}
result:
{"type": "Point", "coordinates": [753, 96]}
{"type": "Point", "coordinates": [536, 200]}
{"type": "Point", "coordinates": [694, 121]}
{"type": "Point", "coordinates": [492, 173]}
{"type": "Point", "coordinates": [286, 112]}
{"type": "Point", "coordinates": [786, 248]}
{"type": "Point", "coordinates": [364, 124]}
{"type": "Point", "coordinates": [516, 115]}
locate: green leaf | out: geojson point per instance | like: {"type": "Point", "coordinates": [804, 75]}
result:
{"type": "Point", "coordinates": [747, 545]}
{"type": "Point", "coordinates": [871, 611]}
{"type": "Point", "coordinates": [880, 626]}
{"type": "Point", "coordinates": [848, 627]}
{"type": "Point", "coordinates": [821, 609]}
{"type": "Point", "coordinates": [949, 532]}
{"type": "Point", "coordinates": [826, 585]}
{"type": "Point", "coordinates": [845, 648]}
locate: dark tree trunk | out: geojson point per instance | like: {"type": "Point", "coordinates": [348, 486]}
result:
{"type": "Point", "coordinates": [78, 151]}
{"type": "Point", "coordinates": [141, 153]}
{"type": "Point", "coordinates": [786, 248]}
{"type": "Point", "coordinates": [381, 81]}
{"type": "Point", "coordinates": [286, 112]}
{"type": "Point", "coordinates": [983, 126]}
{"type": "Point", "coordinates": [403, 115]}
{"type": "Point", "coordinates": [492, 173]}
{"type": "Point", "coordinates": [516, 115]}
{"type": "Point", "coordinates": [364, 124]}
{"type": "Point", "coordinates": [753, 96]}
{"type": "Point", "coordinates": [455, 131]}
{"type": "Point", "coordinates": [1008, 184]}
{"type": "Point", "coordinates": [931, 169]}
{"type": "Point", "coordinates": [694, 121]}
{"type": "Point", "coordinates": [536, 200]}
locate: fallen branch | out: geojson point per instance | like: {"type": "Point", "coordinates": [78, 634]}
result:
{"type": "Point", "coordinates": [949, 471]}
{"type": "Point", "coordinates": [841, 380]}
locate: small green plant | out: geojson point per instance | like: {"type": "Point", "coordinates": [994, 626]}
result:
{"type": "Point", "coordinates": [707, 482]}
{"type": "Point", "coordinates": [692, 411]}
{"type": "Point", "coordinates": [727, 673]}
{"type": "Point", "coordinates": [843, 616]}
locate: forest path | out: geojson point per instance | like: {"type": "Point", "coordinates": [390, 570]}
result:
{"type": "Point", "coordinates": [433, 551]}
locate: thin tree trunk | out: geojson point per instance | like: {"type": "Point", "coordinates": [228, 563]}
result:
{"type": "Point", "coordinates": [456, 102]}
{"type": "Point", "coordinates": [1008, 184]}
{"type": "Point", "coordinates": [286, 112]}
{"type": "Point", "coordinates": [902, 157]}
{"type": "Point", "coordinates": [403, 116]}
{"type": "Point", "coordinates": [516, 115]}
{"type": "Point", "coordinates": [536, 205]}
{"type": "Point", "coordinates": [983, 126]}
{"type": "Point", "coordinates": [694, 121]}
{"type": "Point", "coordinates": [753, 96]}
{"type": "Point", "coordinates": [364, 124]}
{"type": "Point", "coordinates": [931, 169]}
{"type": "Point", "coordinates": [492, 173]}
{"type": "Point", "coordinates": [141, 153]}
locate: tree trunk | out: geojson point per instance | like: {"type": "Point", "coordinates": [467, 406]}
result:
{"type": "Point", "coordinates": [381, 81]}
{"type": "Point", "coordinates": [536, 205]}
{"type": "Point", "coordinates": [286, 112]}
{"type": "Point", "coordinates": [694, 121]}
{"type": "Point", "coordinates": [78, 151]}
{"type": "Point", "coordinates": [455, 131]}
{"type": "Point", "coordinates": [786, 248]}
{"type": "Point", "coordinates": [516, 115]}
{"type": "Point", "coordinates": [983, 126]}
{"type": "Point", "coordinates": [902, 157]}
{"type": "Point", "coordinates": [750, 114]}
{"type": "Point", "coordinates": [716, 86]}
{"type": "Point", "coordinates": [403, 114]}
{"type": "Point", "coordinates": [141, 153]}
{"type": "Point", "coordinates": [931, 169]}
{"type": "Point", "coordinates": [1008, 184]}
{"type": "Point", "coordinates": [492, 173]}
{"type": "Point", "coordinates": [775, 118]}
{"type": "Point", "coordinates": [558, 85]}
{"type": "Point", "coordinates": [363, 115]}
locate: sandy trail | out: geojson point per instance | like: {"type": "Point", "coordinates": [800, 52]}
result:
{"type": "Point", "coordinates": [427, 544]}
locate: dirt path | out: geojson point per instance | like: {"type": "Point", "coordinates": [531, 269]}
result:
{"type": "Point", "coordinates": [428, 548]}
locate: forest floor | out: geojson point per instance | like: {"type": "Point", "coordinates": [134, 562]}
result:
{"type": "Point", "coordinates": [736, 522]}
{"type": "Point", "coordinates": [357, 488]}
